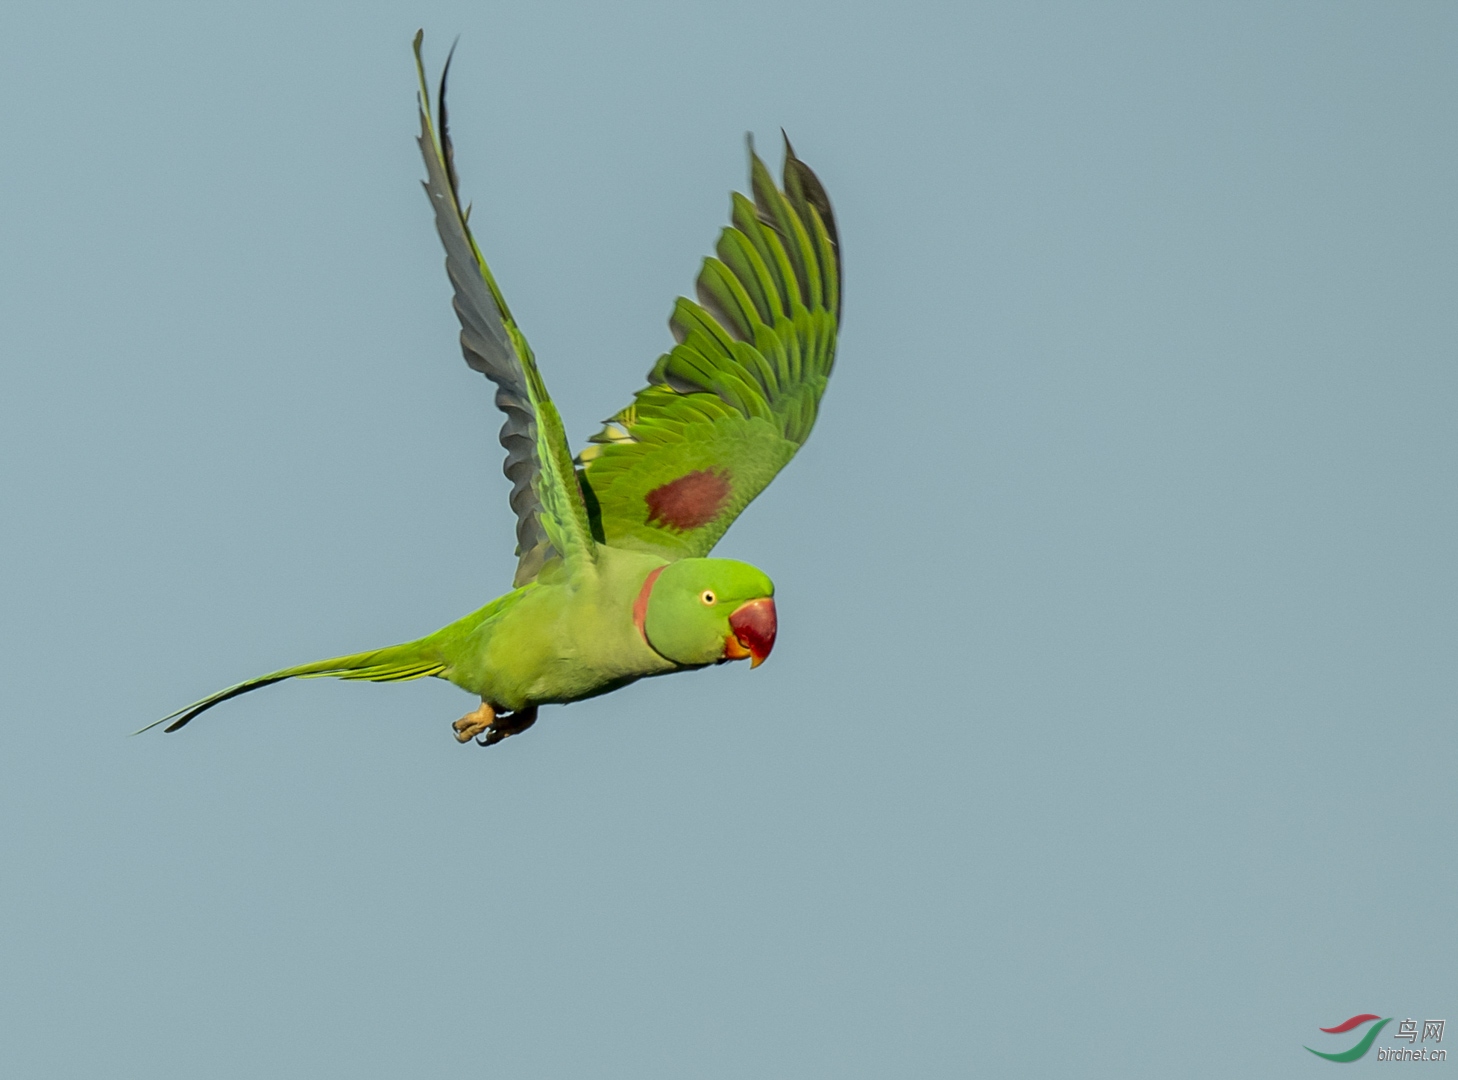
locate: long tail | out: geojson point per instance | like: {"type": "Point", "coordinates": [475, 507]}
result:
{"type": "Point", "coordinates": [398, 663]}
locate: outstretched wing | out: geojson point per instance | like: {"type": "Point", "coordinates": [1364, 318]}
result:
{"type": "Point", "coordinates": [729, 405]}
{"type": "Point", "coordinates": [551, 519]}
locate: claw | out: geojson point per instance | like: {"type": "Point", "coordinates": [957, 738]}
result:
{"type": "Point", "coordinates": [508, 725]}
{"type": "Point", "coordinates": [472, 724]}
{"type": "Point", "coordinates": [495, 726]}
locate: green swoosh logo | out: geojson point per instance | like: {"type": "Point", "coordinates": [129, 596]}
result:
{"type": "Point", "coordinates": [1361, 1048]}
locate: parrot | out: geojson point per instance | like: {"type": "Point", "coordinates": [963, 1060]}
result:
{"type": "Point", "coordinates": [614, 582]}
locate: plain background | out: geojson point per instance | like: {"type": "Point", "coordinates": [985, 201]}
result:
{"type": "Point", "coordinates": [1111, 727]}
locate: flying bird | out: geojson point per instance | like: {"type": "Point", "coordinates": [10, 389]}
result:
{"type": "Point", "coordinates": [614, 582]}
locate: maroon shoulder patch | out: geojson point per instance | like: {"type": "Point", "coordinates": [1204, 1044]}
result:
{"type": "Point", "coordinates": [689, 501]}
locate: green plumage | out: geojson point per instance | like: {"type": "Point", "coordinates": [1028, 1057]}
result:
{"type": "Point", "coordinates": [740, 390]}
{"type": "Point", "coordinates": [612, 584]}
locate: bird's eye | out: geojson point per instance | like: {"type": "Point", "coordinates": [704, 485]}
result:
{"type": "Point", "coordinates": [708, 597]}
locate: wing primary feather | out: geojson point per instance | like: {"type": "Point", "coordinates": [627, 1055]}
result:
{"type": "Point", "coordinates": [445, 126]}
{"type": "Point", "coordinates": [785, 222]}
{"type": "Point", "coordinates": [551, 519]}
{"type": "Point", "coordinates": [725, 297]}
{"type": "Point", "coordinates": [805, 191]}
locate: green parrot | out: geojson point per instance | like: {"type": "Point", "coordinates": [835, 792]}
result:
{"type": "Point", "coordinates": [613, 582]}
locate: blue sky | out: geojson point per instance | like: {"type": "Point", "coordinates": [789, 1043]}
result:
{"type": "Point", "coordinates": [1110, 730]}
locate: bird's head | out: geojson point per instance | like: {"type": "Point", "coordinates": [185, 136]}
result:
{"type": "Point", "coordinates": [706, 611]}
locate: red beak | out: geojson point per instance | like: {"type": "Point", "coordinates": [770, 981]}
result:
{"type": "Point", "coordinates": [754, 631]}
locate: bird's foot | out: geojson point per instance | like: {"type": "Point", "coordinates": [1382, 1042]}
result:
{"type": "Point", "coordinates": [495, 726]}
{"type": "Point", "coordinates": [472, 724]}
{"type": "Point", "coordinates": [510, 724]}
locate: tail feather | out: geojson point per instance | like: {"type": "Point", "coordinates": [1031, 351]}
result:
{"type": "Point", "coordinates": [399, 663]}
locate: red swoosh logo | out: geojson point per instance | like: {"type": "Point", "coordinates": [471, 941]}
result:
{"type": "Point", "coordinates": [1353, 1022]}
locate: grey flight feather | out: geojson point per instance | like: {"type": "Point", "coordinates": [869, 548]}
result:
{"type": "Point", "coordinates": [485, 341]}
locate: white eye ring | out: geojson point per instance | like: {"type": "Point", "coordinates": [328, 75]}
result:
{"type": "Point", "coordinates": [708, 597]}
